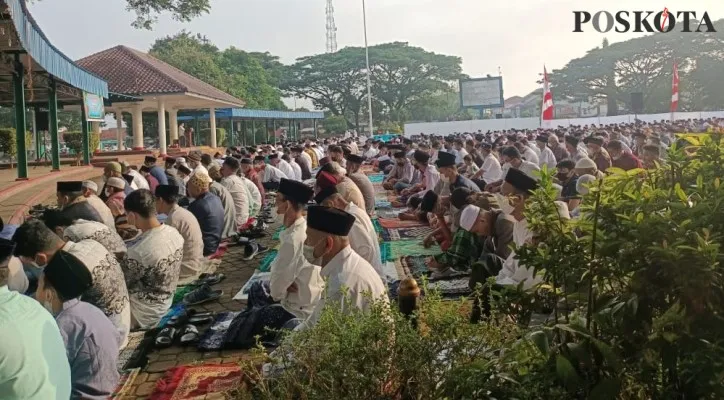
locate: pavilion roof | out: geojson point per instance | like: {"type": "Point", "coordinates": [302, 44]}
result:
{"type": "Point", "coordinates": [132, 72]}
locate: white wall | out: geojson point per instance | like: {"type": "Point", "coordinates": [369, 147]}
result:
{"type": "Point", "coordinates": [446, 128]}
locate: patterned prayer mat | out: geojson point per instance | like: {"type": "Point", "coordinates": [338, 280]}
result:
{"type": "Point", "coordinates": [213, 338]}
{"type": "Point", "coordinates": [134, 354]}
{"type": "Point", "coordinates": [391, 223]}
{"type": "Point", "coordinates": [377, 226]}
{"type": "Point", "coordinates": [258, 276]}
{"type": "Point", "coordinates": [451, 287]}
{"type": "Point", "coordinates": [402, 248]}
{"type": "Point", "coordinates": [390, 270]}
{"type": "Point", "coordinates": [393, 213]}
{"type": "Point", "coordinates": [191, 382]}
{"type": "Point", "coordinates": [125, 384]}
{"type": "Point", "coordinates": [265, 264]}
{"type": "Point", "coordinates": [376, 178]}
{"type": "Point", "coordinates": [394, 234]}
{"type": "Point", "coordinates": [414, 266]}
{"type": "Point", "coordinates": [383, 204]}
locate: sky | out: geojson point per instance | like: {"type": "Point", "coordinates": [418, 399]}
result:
{"type": "Point", "coordinates": [518, 37]}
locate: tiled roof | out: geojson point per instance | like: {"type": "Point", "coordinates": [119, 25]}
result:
{"type": "Point", "coordinates": [129, 71]}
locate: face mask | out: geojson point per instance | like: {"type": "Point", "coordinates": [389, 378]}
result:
{"type": "Point", "coordinates": [445, 178]}
{"type": "Point", "coordinates": [504, 203]}
{"type": "Point", "coordinates": [108, 193]}
{"type": "Point", "coordinates": [35, 265]}
{"type": "Point", "coordinates": [308, 252]}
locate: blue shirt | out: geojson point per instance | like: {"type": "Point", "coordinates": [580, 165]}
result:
{"type": "Point", "coordinates": [91, 342]}
{"type": "Point", "coordinates": [33, 363]}
{"type": "Point", "coordinates": [160, 175]}
{"type": "Point", "coordinates": [209, 211]}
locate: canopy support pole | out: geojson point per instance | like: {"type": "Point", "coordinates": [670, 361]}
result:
{"type": "Point", "coordinates": [19, 91]}
{"type": "Point", "coordinates": [53, 124]}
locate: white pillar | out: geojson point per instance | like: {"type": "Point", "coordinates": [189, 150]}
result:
{"type": "Point", "coordinates": [120, 135]}
{"type": "Point", "coordinates": [212, 125]}
{"type": "Point", "coordinates": [162, 126]}
{"type": "Point", "coordinates": [96, 130]}
{"type": "Point", "coordinates": [137, 127]}
{"type": "Point", "coordinates": [173, 127]}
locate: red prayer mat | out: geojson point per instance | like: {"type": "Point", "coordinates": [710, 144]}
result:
{"type": "Point", "coordinates": [392, 223]}
{"type": "Point", "coordinates": [192, 381]}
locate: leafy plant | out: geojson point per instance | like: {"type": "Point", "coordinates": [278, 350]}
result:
{"type": "Point", "coordinates": [74, 142]}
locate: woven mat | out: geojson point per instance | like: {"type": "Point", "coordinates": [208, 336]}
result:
{"type": "Point", "coordinates": [191, 382]}
{"type": "Point", "coordinates": [125, 384]}
{"type": "Point", "coordinates": [390, 223]}
{"type": "Point", "coordinates": [394, 234]}
{"type": "Point", "coordinates": [258, 276]}
{"type": "Point", "coordinates": [265, 264]}
{"type": "Point", "coordinates": [213, 338]}
{"type": "Point", "coordinates": [451, 287]}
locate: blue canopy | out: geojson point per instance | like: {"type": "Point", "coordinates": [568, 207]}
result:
{"type": "Point", "coordinates": [254, 114]}
{"type": "Point", "coordinates": [37, 45]}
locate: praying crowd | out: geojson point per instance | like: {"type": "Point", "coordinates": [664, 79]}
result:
{"type": "Point", "coordinates": [108, 260]}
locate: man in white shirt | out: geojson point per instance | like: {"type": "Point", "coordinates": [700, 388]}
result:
{"type": "Point", "coordinates": [270, 175]}
{"type": "Point", "coordinates": [238, 190]}
{"type": "Point", "coordinates": [195, 164]}
{"type": "Point", "coordinates": [512, 160]}
{"type": "Point", "coordinates": [276, 161]}
{"type": "Point", "coordinates": [546, 157]}
{"type": "Point", "coordinates": [351, 282]}
{"type": "Point", "coordinates": [295, 167]}
{"type": "Point", "coordinates": [295, 285]}
{"type": "Point", "coordinates": [460, 152]}
{"type": "Point", "coordinates": [490, 171]}
{"type": "Point", "coordinates": [138, 182]}
{"type": "Point", "coordinates": [373, 151]}
{"type": "Point", "coordinates": [90, 192]}
{"type": "Point", "coordinates": [526, 153]}
{"type": "Point", "coordinates": [362, 235]}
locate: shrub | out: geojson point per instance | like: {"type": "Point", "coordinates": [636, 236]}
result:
{"type": "Point", "coordinates": [9, 144]}
{"type": "Point", "coordinates": [220, 136]}
{"type": "Point", "coordinates": [74, 142]}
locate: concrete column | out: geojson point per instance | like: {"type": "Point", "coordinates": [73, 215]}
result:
{"type": "Point", "coordinates": [173, 125]}
{"type": "Point", "coordinates": [137, 127]}
{"type": "Point", "coordinates": [120, 135]}
{"type": "Point", "coordinates": [162, 126]}
{"type": "Point", "coordinates": [96, 130]}
{"type": "Point", "coordinates": [212, 125]}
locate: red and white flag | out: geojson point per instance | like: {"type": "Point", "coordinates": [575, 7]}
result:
{"type": "Point", "coordinates": [675, 89]}
{"type": "Point", "coordinates": [547, 107]}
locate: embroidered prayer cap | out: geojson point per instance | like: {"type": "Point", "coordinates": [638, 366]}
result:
{"type": "Point", "coordinates": [428, 201]}
{"type": "Point", "coordinates": [69, 186]}
{"type": "Point", "coordinates": [325, 180]}
{"type": "Point", "coordinates": [469, 216]}
{"type": "Point", "coordinates": [194, 157]}
{"type": "Point", "coordinates": [200, 180]}
{"type": "Point", "coordinates": [117, 183]}
{"type": "Point", "coordinates": [214, 171]}
{"type": "Point", "coordinates": [329, 220]}
{"type": "Point", "coordinates": [295, 191]}
{"type": "Point", "coordinates": [166, 191]}
{"type": "Point", "coordinates": [184, 169]}
{"type": "Point", "coordinates": [68, 275]}
{"type": "Point", "coordinates": [150, 159]}
{"type": "Point", "coordinates": [324, 194]}
{"type": "Point", "coordinates": [519, 180]}
{"type": "Point", "coordinates": [445, 159]}
{"type": "Point", "coordinates": [91, 185]}
{"type": "Point", "coordinates": [421, 156]}
{"type": "Point", "coordinates": [355, 158]}
{"type": "Point", "coordinates": [114, 166]}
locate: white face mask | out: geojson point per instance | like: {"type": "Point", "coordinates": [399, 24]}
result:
{"type": "Point", "coordinates": [504, 204]}
{"type": "Point", "coordinates": [308, 252]}
{"type": "Point", "coordinates": [49, 306]}
{"type": "Point", "coordinates": [444, 178]}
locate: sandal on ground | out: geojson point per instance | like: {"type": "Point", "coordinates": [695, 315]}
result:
{"type": "Point", "coordinates": [189, 335]}
{"type": "Point", "coordinates": [201, 318]}
{"type": "Point", "coordinates": [201, 295]}
{"type": "Point", "coordinates": [178, 319]}
{"type": "Point", "coordinates": [209, 279]}
{"type": "Point", "coordinates": [166, 337]}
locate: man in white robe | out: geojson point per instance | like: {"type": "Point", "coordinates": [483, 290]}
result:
{"type": "Point", "coordinates": [90, 192]}
{"type": "Point", "coordinates": [238, 191]}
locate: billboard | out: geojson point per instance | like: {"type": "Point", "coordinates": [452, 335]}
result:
{"type": "Point", "coordinates": [481, 92]}
{"type": "Point", "coordinates": [94, 107]}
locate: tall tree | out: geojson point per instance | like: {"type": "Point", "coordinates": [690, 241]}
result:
{"type": "Point", "coordinates": [235, 71]}
{"type": "Point", "coordinates": [147, 11]}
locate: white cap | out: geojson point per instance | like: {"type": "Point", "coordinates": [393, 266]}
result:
{"type": "Point", "coordinates": [117, 183]}
{"type": "Point", "coordinates": [563, 210]}
{"type": "Point", "coordinates": [582, 183]}
{"type": "Point", "coordinates": [469, 216]}
{"type": "Point", "coordinates": [585, 162]}
{"type": "Point", "coordinates": [90, 185]}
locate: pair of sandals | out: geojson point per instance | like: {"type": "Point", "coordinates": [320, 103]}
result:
{"type": "Point", "coordinates": [182, 327]}
{"type": "Point", "coordinates": [202, 294]}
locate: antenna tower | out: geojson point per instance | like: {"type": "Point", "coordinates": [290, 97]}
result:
{"type": "Point", "coordinates": [331, 29]}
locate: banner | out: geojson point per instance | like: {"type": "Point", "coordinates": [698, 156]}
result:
{"type": "Point", "coordinates": [94, 108]}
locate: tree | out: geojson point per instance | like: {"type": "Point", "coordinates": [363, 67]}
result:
{"type": "Point", "coordinates": [241, 74]}
{"type": "Point", "coordinates": [334, 124]}
{"type": "Point", "coordinates": [181, 10]}
{"type": "Point", "coordinates": [644, 64]}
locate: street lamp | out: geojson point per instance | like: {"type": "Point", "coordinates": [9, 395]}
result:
{"type": "Point", "coordinates": [369, 72]}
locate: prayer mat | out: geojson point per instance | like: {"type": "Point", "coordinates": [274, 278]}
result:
{"type": "Point", "coordinates": [192, 382]}
{"type": "Point", "coordinates": [278, 232]}
{"type": "Point", "coordinates": [134, 354]}
{"type": "Point", "coordinates": [213, 338]}
{"type": "Point", "coordinates": [134, 340]}
{"type": "Point", "coordinates": [415, 266]}
{"type": "Point", "coordinates": [385, 252]}
{"type": "Point", "coordinates": [402, 248]}
{"type": "Point", "coordinates": [265, 264]}
{"type": "Point", "coordinates": [125, 384]}
{"type": "Point", "coordinates": [376, 178]}
{"type": "Point", "coordinates": [394, 234]}
{"type": "Point", "coordinates": [389, 269]}
{"type": "Point", "coordinates": [383, 204]}
{"type": "Point", "coordinates": [391, 223]}
{"type": "Point", "coordinates": [393, 213]}
{"type": "Point", "coordinates": [181, 291]}
{"type": "Point", "coordinates": [258, 276]}
{"type": "Point", "coordinates": [377, 226]}
{"type": "Point", "coordinates": [452, 287]}
{"type": "Point", "coordinates": [392, 196]}
{"type": "Point", "coordinates": [175, 310]}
